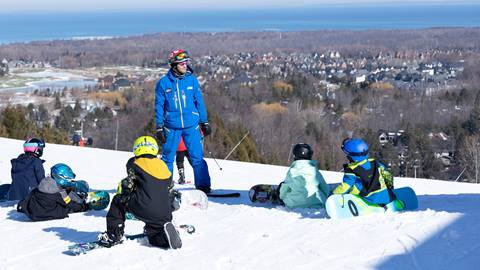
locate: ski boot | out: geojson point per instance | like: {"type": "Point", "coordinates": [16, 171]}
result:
{"type": "Point", "coordinates": [181, 173]}
{"type": "Point", "coordinates": [173, 237]}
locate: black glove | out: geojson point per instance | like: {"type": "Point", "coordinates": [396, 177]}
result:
{"type": "Point", "coordinates": [175, 199]}
{"type": "Point", "coordinates": [206, 128]}
{"type": "Point", "coordinates": [85, 207]}
{"type": "Point", "coordinates": [128, 186]}
{"type": "Point", "coordinates": [160, 134]}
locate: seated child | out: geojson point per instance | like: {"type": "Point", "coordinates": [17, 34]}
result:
{"type": "Point", "coordinates": [304, 186]}
{"type": "Point", "coordinates": [366, 176]}
{"type": "Point", "coordinates": [146, 194]}
{"type": "Point", "coordinates": [27, 169]}
{"type": "Point", "coordinates": [50, 200]}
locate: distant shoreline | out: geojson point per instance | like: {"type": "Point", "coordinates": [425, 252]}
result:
{"type": "Point", "coordinates": [273, 31]}
{"type": "Point", "coordinates": [40, 26]}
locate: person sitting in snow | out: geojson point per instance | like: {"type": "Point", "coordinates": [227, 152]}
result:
{"type": "Point", "coordinates": [50, 200]}
{"type": "Point", "coordinates": [146, 193]}
{"type": "Point", "coordinates": [304, 186]}
{"type": "Point", "coordinates": [366, 176]}
{"type": "Point", "coordinates": [27, 169]}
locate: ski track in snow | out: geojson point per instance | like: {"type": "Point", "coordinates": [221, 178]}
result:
{"type": "Point", "coordinates": [409, 251]}
{"type": "Point", "coordinates": [236, 234]}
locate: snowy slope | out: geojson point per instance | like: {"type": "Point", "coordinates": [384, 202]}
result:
{"type": "Point", "coordinates": [234, 234]}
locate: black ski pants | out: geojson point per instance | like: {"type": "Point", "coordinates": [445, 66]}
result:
{"type": "Point", "coordinates": [116, 223]}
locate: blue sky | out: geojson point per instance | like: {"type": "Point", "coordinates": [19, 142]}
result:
{"type": "Point", "coordinates": [75, 5]}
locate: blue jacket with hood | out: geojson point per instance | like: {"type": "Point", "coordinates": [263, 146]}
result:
{"type": "Point", "coordinates": [27, 172]}
{"type": "Point", "coordinates": [178, 102]}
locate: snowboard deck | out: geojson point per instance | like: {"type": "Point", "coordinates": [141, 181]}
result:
{"type": "Point", "coordinates": [341, 206]}
{"type": "Point", "coordinates": [190, 198]}
{"type": "Point", "coordinates": [264, 193]}
{"type": "Point", "coordinates": [215, 194]}
{"type": "Point", "coordinates": [97, 200]}
{"type": "Point", "coordinates": [85, 247]}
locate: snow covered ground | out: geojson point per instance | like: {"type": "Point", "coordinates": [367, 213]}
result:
{"type": "Point", "coordinates": [235, 234]}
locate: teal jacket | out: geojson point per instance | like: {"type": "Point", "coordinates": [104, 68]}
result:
{"type": "Point", "coordinates": [304, 186]}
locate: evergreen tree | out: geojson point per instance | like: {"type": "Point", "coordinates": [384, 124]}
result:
{"type": "Point", "coordinates": [473, 122]}
{"type": "Point", "coordinates": [53, 135]}
{"type": "Point", "coordinates": [43, 114]}
{"type": "Point", "coordinates": [58, 103]}
{"type": "Point", "coordinates": [65, 120]}
{"type": "Point", "coordinates": [15, 121]}
{"type": "Point", "coordinates": [77, 109]}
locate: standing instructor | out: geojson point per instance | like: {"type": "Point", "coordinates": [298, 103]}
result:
{"type": "Point", "coordinates": [180, 112]}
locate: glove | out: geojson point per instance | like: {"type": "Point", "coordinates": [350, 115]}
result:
{"type": "Point", "coordinates": [128, 186]}
{"type": "Point", "coordinates": [175, 199]}
{"type": "Point", "coordinates": [160, 134]}
{"type": "Point", "coordinates": [206, 128]}
{"type": "Point", "coordinates": [85, 207]}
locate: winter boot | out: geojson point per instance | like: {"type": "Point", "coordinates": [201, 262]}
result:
{"type": "Point", "coordinates": [173, 237]}
{"type": "Point", "coordinates": [108, 240]}
{"type": "Point", "coordinates": [181, 173]}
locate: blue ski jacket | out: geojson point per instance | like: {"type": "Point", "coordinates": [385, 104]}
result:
{"type": "Point", "coordinates": [368, 178]}
{"type": "Point", "coordinates": [178, 102]}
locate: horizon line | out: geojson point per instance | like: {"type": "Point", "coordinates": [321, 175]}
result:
{"type": "Point", "coordinates": [234, 8]}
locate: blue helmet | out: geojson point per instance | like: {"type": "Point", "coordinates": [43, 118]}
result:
{"type": "Point", "coordinates": [356, 149]}
{"type": "Point", "coordinates": [62, 173]}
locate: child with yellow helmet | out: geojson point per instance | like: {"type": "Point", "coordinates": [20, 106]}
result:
{"type": "Point", "coordinates": [145, 193]}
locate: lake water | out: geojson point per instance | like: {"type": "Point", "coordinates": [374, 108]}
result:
{"type": "Point", "coordinates": [46, 26]}
{"type": "Point", "coordinates": [56, 85]}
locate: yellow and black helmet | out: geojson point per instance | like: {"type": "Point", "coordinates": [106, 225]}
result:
{"type": "Point", "coordinates": [145, 145]}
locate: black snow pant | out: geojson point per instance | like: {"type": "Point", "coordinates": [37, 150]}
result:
{"type": "Point", "coordinates": [181, 157]}
{"type": "Point", "coordinates": [116, 223]}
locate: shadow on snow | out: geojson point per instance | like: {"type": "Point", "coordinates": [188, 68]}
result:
{"type": "Point", "coordinates": [456, 246]}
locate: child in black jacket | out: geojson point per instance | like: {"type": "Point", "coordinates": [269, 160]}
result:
{"type": "Point", "coordinates": [49, 201]}
{"type": "Point", "coordinates": [146, 194]}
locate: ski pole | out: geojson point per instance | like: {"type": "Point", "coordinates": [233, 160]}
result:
{"type": "Point", "coordinates": [235, 147]}
{"type": "Point", "coordinates": [212, 156]}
